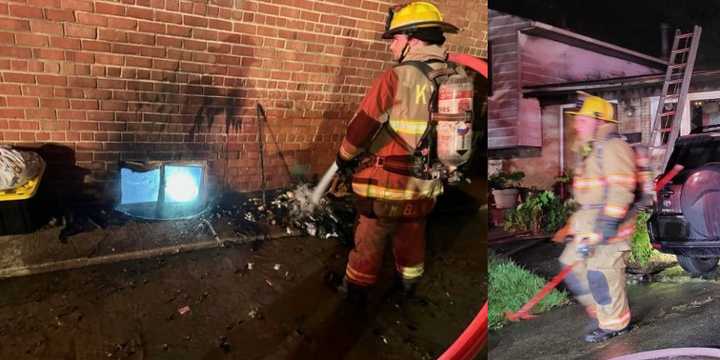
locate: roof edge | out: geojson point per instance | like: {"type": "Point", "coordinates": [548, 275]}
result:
{"type": "Point", "coordinates": [611, 84]}
{"type": "Point", "coordinates": [537, 28]}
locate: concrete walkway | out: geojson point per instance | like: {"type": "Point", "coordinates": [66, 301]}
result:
{"type": "Point", "coordinates": [42, 251]}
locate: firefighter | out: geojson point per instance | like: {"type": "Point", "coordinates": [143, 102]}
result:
{"type": "Point", "coordinates": [382, 150]}
{"type": "Point", "coordinates": [604, 187]}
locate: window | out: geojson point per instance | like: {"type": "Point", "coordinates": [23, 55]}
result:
{"type": "Point", "coordinates": [704, 113]}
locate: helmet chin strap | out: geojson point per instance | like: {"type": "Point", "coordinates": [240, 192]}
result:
{"type": "Point", "coordinates": [404, 51]}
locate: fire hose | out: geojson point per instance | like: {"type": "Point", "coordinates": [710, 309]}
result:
{"type": "Point", "coordinates": [470, 61]}
{"type": "Point", "coordinates": [524, 312]}
{"type": "Point", "coordinates": [471, 341]}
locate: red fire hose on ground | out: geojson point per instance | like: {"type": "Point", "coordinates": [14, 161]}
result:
{"type": "Point", "coordinates": [524, 312]}
{"type": "Point", "coordinates": [473, 339]}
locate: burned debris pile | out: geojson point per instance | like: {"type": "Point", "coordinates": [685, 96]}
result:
{"type": "Point", "coordinates": [291, 210]}
{"type": "Point", "coordinates": [239, 215]}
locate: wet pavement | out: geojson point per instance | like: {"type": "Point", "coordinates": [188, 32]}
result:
{"type": "Point", "coordinates": [244, 302]}
{"type": "Point", "coordinates": [665, 315]}
{"type": "Point", "coordinates": [672, 311]}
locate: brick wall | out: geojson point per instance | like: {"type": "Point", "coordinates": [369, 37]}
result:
{"type": "Point", "coordinates": [170, 79]}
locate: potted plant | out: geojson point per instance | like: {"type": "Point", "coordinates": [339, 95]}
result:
{"type": "Point", "coordinates": [504, 185]}
{"type": "Point", "coordinates": [541, 213]}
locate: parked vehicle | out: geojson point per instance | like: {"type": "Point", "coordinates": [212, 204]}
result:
{"type": "Point", "coordinates": [686, 220]}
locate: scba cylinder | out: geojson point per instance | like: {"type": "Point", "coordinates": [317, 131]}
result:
{"type": "Point", "coordinates": [454, 120]}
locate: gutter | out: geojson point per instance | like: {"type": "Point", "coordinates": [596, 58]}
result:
{"type": "Point", "coordinates": [585, 42]}
{"type": "Point", "coordinates": [611, 84]}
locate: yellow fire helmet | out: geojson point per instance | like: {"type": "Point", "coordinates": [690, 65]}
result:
{"type": "Point", "coordinates": [598, 108]}
{"type": "Point", "coordinates": [415, 15]}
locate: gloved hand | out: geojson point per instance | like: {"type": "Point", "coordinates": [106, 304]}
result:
{"type": "Point", "coordinates": [586, 245]}
{"type": "Point", "coordinates": [585, 250]}
{"type": "Point", "coordinates": [345, 167]}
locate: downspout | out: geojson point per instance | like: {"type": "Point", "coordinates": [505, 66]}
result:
{"type": "Point", "coordinates": [561, 120]}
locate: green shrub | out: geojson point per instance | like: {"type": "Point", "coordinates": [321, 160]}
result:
{"type": "Point", "coordinates": [541, 213]}
{"type": "Point", "coordinates": [511, 287]}
{"type": "Point", "coordinates": [642, 251]}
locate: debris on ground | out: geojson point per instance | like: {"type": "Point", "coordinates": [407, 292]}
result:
{"type": "Point", "coordinates": [184, 310]}
{"type": "Point", "coordinates": [242, 215]}
{"type": "Point", "coordinates": [254, 313]}
{"type": "Point", "coordinates": [693, 304]}
{"type": "Point", "coordinates": [223, 343]}
{"type": "Point", "coordinates": [289, 209]}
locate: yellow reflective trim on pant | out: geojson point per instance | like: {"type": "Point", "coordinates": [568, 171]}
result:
{"type": "Point", "coordinates": [591, 311]}
{"type": "Point", "coordinates": [409, 126]}
{"type": "Point", "coordinates": [379, 192]}
{"type": "Point", "coordinates": [412, 272]}
{"type": "Point", "coordinates": [616, 324]}
{"type": "Point", "coordinates": [615, 211]}
{"type": "Point", "coordinates": [359, 277]}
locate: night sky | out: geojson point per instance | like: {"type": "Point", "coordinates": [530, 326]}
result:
{"type": "Point", "coordinates": [634, 24]}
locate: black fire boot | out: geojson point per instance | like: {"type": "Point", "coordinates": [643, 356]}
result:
{"type": "Point", "coordinates": [409, 287]}
{"type": "Point", "coordinates": [404, 291]}
{"type": "Point", "coordinates": [600, 335]}
{"type": "Point", "coordinates": [353, 294]}
{"type": "Point", "coordinates": [591, 325]}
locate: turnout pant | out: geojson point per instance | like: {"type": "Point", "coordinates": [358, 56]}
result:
{"type": "Point", "coordinates": [406, 232]}
{"type": "Point", "coordinates": [599, 283]}
{"type": "Point", "coordinates": [371, 236]}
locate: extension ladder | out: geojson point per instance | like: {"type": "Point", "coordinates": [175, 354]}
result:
{"type": "Point", "coordinates": [665, 127]}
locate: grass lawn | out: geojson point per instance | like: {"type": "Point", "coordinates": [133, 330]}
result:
{"type": "Point", "coordinates": [511, 286]}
